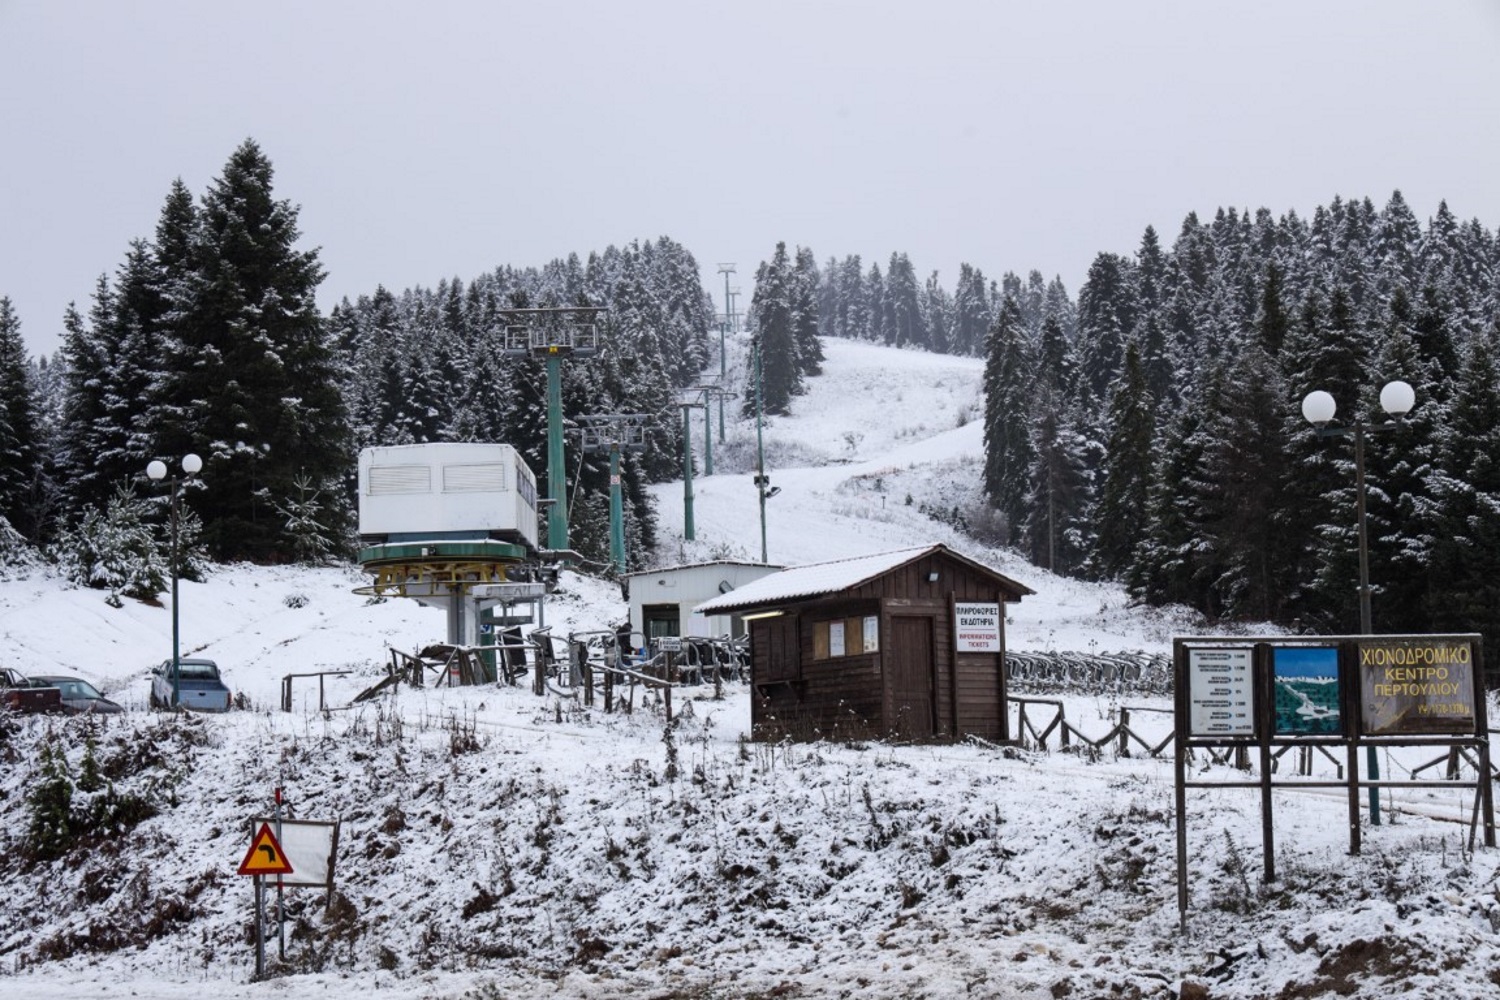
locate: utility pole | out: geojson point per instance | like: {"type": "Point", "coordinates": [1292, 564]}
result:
{"type": "Point", "coordinates": [687, 468]}
{"type": "Point", "coordinates": [726, 270]}
{"type": "Point", "coordinates": [614, 433]}
{"type": "Point", "coordinates": [553, 333]}
{"type": "Point", "coordinates": [762, 481]}
{"type": "Point", "coordinates": [711, 393]}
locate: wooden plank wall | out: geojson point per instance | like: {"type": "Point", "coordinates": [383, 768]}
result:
{"type": "Point", "coordinates": [848, 697]}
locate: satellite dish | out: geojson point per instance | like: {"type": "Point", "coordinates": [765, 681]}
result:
{"type": "Point", "coordinates": [725, 586]}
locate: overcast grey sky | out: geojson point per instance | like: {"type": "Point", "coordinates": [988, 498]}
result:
{"type": "Point", "coordinates": [442, 138]}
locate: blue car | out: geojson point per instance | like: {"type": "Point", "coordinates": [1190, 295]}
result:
{"type": "Point", "coordinates": [198, 686]}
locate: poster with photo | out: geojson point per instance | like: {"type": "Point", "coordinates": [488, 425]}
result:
{"type": "Point", "coordinates": [1306, 695]}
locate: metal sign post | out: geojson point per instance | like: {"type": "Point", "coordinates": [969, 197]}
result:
{"type": "Point", "coordinates": [264, 857]}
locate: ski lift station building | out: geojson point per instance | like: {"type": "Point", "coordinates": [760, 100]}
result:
{"type": "Point", "coordinates": [446, 492]}
{"type": "Point", "coordinates": [436, 520]}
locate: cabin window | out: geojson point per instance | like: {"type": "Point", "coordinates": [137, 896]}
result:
{"type": "Point", "coordinates": [846, 637]}
{"type": "Point", "coordinates": [388, 480]}
{"type": "Point", "coordinates": [488, 478]}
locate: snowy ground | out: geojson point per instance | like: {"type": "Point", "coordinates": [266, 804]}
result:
{"type": "Point", "coordinates": [497, 844]}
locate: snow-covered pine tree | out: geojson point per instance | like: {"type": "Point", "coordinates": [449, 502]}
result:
{"type": "Point", "coordinates": [1008, 393]}
{"type": "Point", "coordinates": [903, 326]}
{"type": "Point", "coordinates": [82, 405]}
{"type": "Point", "coordinates": [971, 313]}
{"type": "Point", "coordinates": [1106, 312]}
{"type": "Point", "coordinates": [771, 316]}
{"type": "Point", "coordinates": [853, 301]}
{"type": "Point", "coordinates": [20, 430]}
{"type": "Point", "coordinates": [251, 380]}
{"type": "Point", "coordinates": [879, 328]}
{"type": "Point", "coordinates": [114, 549]}
{"type": "Point", "coordinates": [1119, 524]}
{"type": "Point", "coordinates": [1464, 558]}
{"type": "Point", "coordinates": [805, 313]}
{"type": "Point", "coordinates": [1242, 490]}
{"type": "Point", "coordinates": [1056, 533]}
{"type": "Point", "coordinates": [937, 307]}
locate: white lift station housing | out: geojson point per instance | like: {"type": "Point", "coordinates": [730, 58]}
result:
{"type": "Point", "coordinates": [446, 492]}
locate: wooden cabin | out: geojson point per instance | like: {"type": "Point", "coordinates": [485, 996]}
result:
{"type": "Point", "coordinates": [906, 645]}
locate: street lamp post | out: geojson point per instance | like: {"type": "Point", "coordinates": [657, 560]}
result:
{"type": "Point", "coordinates": [157, 471]}
{"type": "Point", "coordinates": [1397, 399]}
{"type": "Point", "coordinates": [763, 485]}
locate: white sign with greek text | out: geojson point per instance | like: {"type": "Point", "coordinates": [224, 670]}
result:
{"type": "Point", "coordinates": [976, 627]}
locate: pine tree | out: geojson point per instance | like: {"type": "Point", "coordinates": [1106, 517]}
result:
{"type": "Point", "coordinates": [1464, 561]}
{"type": "Point", "coordinates": [938, 308]}
{"type": "Point", "coordinates": [772, 313]}
{"type": "Point", "coordinates": [1120, 514]}
{"type": "Point", "coordinates": [971, 313]}
{"type": "Point", "coordinates": [1272, 322]}
{"type": "Point", "coordinates": [903, 326]}
{"type": "Point", "coordinates": [116, 549]}
{"type": "Point", "coordinates": [20, 459]}
{"type": "Point", "coordinates": [1242, 487]}
{"type": "Point", "coordinates": [251, 381]}
{"type": "Point", "coordinates": [853, 301]}
{"type": "Point", "coordinates": [49, 806]}
{"type": "Point", "coordinates": [1106, 312]}
{"type": "Point", "coordinates": [1008, 390]}
{"type": "Point", "coordinates": [805, 313]}
{"type": "Point", "coordinates": [880, 320]}
{"type": "Point", "coordinates": [1323, 351]}
{"type": "Point", "coordinates": [1056, 534]}
{"type": "Point", "coordinates": [1056, 362]}
{"type": "Point", "coordinates": [1166, 565]}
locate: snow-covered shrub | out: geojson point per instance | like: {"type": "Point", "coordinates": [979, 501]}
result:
{"type": "Point", "coordinates": [16, 553]}
{"type": "Point", "coordinates": [307, 515]}
{"type": "Point", "coordinates": [114, 550]}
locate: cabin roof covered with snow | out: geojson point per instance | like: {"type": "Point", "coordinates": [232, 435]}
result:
{"type": "Point", "coordinates": [660, 570]}
{"type": "Point", "coordinates": [819, 579]}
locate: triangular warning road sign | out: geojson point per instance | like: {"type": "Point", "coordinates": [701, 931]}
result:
{"type": "Point", "coordinates": [265, 856]}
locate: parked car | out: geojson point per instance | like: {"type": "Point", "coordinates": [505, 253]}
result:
{"type": "Point", "coordinates": [20, 694]}
{"type": "Point", "coordinates": [198, 686]}
{"type": "Point", "coordinates": [79, 697]}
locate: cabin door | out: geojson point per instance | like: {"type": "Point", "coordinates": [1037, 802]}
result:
{"type": "Point", "coordinates": [910, 660]}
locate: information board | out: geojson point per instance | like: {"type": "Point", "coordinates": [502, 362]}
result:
{"type": "Point", "coordinates": [976, 627]}
{"type": "Point", "coordinates": [1416, 686]}
{"type": "Point", "coordinates": [1221, 691]}
{"type": "Point", "coordinates": [1306, 696]}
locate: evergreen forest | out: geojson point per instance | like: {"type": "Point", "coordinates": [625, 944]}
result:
{"type": "Point", "coordinates": [1151, 430]}
{"type": "Point", "coordinates": [1147, 430]}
